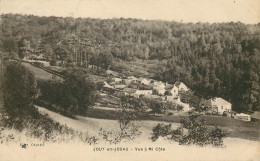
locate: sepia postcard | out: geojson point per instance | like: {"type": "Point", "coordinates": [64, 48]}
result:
{"type": "Point", "coordinates": [130, 80]}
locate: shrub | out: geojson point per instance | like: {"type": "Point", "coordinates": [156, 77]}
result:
{"type": "Point", "coordinates": [157, 106]}
{"type": "Point", "coordinates": [38, 64]}
{"type": "Point", "coordinates": [191, 132]}
{"type": "Point", "coordinates": [127, 129]}
{"type": "Point", "coordinates": [53, 63]}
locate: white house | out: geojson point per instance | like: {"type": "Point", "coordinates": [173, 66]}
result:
{"type": "Point", "coordinates": [172, 89]}
{"type": "Point", "coordinates": [174, 99]}
{"type": "Point", "coordinates": [119, 86]}
{"type": "Point", "coordinates": [127, 81]}
{"type": "Point", "coordinates": [159, 91]}
{"type": "Point", "coordinates": [177, 100]}
{"type": "Point", "coordinates": [218, 105]}
{"type": "Point", "coordinates": [143, 81]}
{"type": "Point", "coordinates": [132, 78]}
{"type": "Point", "coordinates": [186, 107]}
{"type": "Point", "coordinates": [159, 85]}
{"type": "Point", "coordinates": [154, 97]}
{"type": "Point", "coordinates": [107, 85]}
{"type": "Point", "coordinates": [243, 116]}
{"type": "Point", "coordinates": [113, 73]}
{"type": "Point", "coordinates": [136, 92]}
{"type": "Point", "coordinates": [117, 80]}
{"type": "Point", "coordinates": [144, 92]}
{"type": "Point", "coordinates": [130, 92]}
{"type": "Point", "coordinates": [181, 86]}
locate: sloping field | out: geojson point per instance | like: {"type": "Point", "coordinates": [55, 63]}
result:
{"type": "Point", "coordinates": [235, 150]}
{"type": "Point", "coordinates": [38, 72]}
{"type": "Point", "coordinates": [93, 125]}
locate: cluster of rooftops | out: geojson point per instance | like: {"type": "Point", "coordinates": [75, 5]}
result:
{"type": "Point", "coordinates": [149, 88]}
{"type": "Point", "coordinates": [158, 90]}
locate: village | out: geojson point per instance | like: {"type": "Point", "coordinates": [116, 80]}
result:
{"type": "Point", "coordinates": [177, 94]}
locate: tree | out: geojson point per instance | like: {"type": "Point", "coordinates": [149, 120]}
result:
{"type": "Point", "coordinates": [24, 46]}
{"type": "Point", "coordinates": [127, 131]}
{"type": "Point", "coordinates": [251, 92]}
{"type": "Point", "coordinates": [105, 60]}
{"type": "Point", "coordinates": [73, 96]}
{"type": "Point", "coordinates": [19, 86]}
{"type": "Point", "coordinates": [157, 106]}
{"type": "Point", "coordinates": [61, 53]}
{"type": "Point", "coordinates": [191, 132]}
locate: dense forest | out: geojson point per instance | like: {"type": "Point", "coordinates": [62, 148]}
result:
{"type": "Point", "coordinates": [220, 59]}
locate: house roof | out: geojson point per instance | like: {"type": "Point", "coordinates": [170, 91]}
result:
{"type": "Point", "coordinates": [256, 115]}
{"type": "Point", "coordinates": [169, 86]}
{"type": "Point", "coordinates": [219, 101]}
{"type": "Point", "coordinates": [141, 79]}
{"type": "Point", "coordinates": [129, 90]}
{"type": "Point", "coordinates": [242, 114]}
{"type": "Point", "coordinates": [131, 77]}
{"type": "Point", "coordinates": [161, 83]}
{"type": "Point", "coordinates": [107, 85]}
{"type": "Point", "coordinates": [159, 89]}
{"type": "Point", "coordinates": [120, 86]}
{"type": "Point", "coordinates": [177, 84]}
{"type": "Point", "coordinates": [111, 72]}
{"type": "Point", "coordinates": [153, 97]}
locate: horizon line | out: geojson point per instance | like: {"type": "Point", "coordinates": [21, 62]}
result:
{"type": "Point", "coordinates": [118, 18]}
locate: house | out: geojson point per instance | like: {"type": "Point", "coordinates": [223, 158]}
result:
{"type": "Point", "coordinates": [126, 81]}
{"type": "Point", "coordinates": [177, 100]}
{"type": "Point", "coordinates": [158, 87]}
{"type": "Point", "coordinates": [107, 85]}
{"type": "Point", "coordinates": [154, 97]}
{"type": "Point", "coordinates": [130, 92]}
{"type": "Point", "coordinates": [159, 91]}
{"type": "Point", "coordinates": [113, 73]}
{"type": "Point", "coordinates": [143, 81]}
{"type": "Point", "coordinates": [181, 86]}
{"type": "Point", "coordinates": [186, 107]}
{"type": "Point", "coordinates": [129, 80]}
{"type": "Point", "coordinates": [119, 86]}
{"type": "Point", "coordinates": [117, 80]}
{"type": "Point", "coordinates": [132, 78]}
{"type": "Point", "coordinates": [229, 114]}
{"type": "Point", "coordinates": [136, 92]}
{"type": "Point", "coordinates": [255, 116]}
{"type": "Point", "coordinates": [218, 105]}
{"type": "Point", "coordinates": [174, 99]}
{"type": "Point", "coordinates": [172, 90]}
{"type": "Point", "coordinates": [144, 92]}
{"type": "Point", "coordinates": [159, 84]}
{"type": "Point", "coordinates": [243, 116]}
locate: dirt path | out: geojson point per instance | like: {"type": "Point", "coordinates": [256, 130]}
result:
{"type": "Point", "coordinates": [93, 125]}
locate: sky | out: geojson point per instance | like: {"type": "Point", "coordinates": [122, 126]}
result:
{"type": "Point", "coordinates": [246, 11]}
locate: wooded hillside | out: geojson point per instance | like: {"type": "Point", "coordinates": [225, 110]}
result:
{"type": "Point", "coordinates": [220, 59]}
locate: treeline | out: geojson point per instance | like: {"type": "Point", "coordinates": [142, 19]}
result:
{"type": "Point", "coordinates": [220, 59]}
